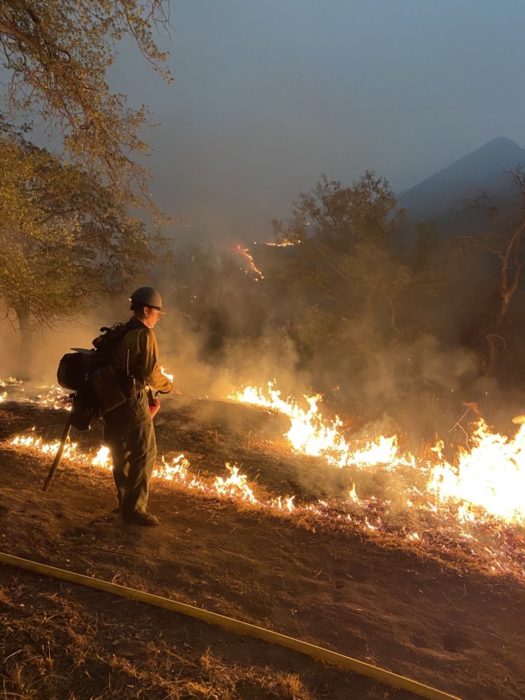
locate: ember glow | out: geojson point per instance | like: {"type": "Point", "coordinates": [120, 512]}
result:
{"type": "Point", "coordinates": [34, 443]}
{"type": "Point", "coordinates": [250, 262]}
{"type": "Point", "coordinates": [44, 395]}
{"type": "Point", "coordinates": [472, 505]}
{"type": "Point", "coordinates": [313, 435]}
{"type": "Point", "coordinates": [490, 476]}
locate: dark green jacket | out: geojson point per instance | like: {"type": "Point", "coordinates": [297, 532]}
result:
{"type": "Point", "coordinates": [137, 355]}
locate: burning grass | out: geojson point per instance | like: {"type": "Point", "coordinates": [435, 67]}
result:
{"type": "Point", "coordinates": [338, 571]}
{"type": "Point", "coordinates": [483, 543]}
{"type": "Point", "coordinates": [44, 395]}
{"type": "Point", "coordinates": [469, 509]}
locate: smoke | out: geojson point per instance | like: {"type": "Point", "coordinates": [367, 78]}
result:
{"type": "Point", "coordinates": [414, 386]}
{"type": "Point", "coordinates": [224, 330]}
{"type": "Point", "coordinates": [47, 347]}
{"type": "Point", "coordinates": [206, 373]}
{"type": "Point", "coordinates": [47, 344]}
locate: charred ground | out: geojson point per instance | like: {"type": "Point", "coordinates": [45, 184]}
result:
{"type": "Point", "coordinates": [442, 622]}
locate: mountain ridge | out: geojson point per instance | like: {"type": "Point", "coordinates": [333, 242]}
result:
{"type": "Point", "coordinates": [483, 170]}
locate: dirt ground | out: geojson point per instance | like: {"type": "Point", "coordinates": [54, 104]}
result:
{"type": "Point", "coordinates": [452, 627]}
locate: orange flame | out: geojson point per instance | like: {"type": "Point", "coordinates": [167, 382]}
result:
{"type": "Point", "coordinates": [280, 244]}
{"type": "Point", "coordinates": [490, 476]}
{"type": "Point", "coordinates": [312, 434]}
{"type": "Point", "coordinates": [166, 374]}
{"type": "Point", "coordinates": [481, 490]}
{"type": "Point", "coordinates": [244, 252]}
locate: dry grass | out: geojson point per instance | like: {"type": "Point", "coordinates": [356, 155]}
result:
{"type": "Point", "coordinates": [368, 594]}
{"type": "Point", "coordinates": [55, 645]}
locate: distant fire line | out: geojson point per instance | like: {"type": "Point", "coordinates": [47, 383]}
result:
{"type": "Point", "coordinates": [245, 253]}
{"type": "Point", "coordinates": [280, 244]}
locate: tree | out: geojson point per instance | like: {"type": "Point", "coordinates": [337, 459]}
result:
{"type": "Point", "coordinates": [366, 211]}
{"type": "Point", "coordinates": [65, 228]}
{"type": "Point", "coordinates": [342, 235]}
{"type": "Point", "coordinates": [504, 242]}
{"type": "Point", "coordinates": [57, 54]}
{"type": "Point", "coordinates": [341, 280]}
{"type": "Point", "coordinates": [65, 239]}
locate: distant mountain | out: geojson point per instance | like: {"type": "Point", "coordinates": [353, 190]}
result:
{"type": "Point", "coordinates": [443, 196]}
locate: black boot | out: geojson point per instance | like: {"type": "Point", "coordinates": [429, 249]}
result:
{"type": "Point", "coordinates": [140, 517]}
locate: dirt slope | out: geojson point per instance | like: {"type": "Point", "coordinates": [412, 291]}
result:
{"type": "Point", "coordinates": [450, 627]}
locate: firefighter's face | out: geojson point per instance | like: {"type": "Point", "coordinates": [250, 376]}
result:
{"type": "Point", "coordinates": [151, 316]}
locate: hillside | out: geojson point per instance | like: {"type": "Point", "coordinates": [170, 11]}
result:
{"type": "Point", "coordinates": [441, 620]}
{"type": "Point", "coordinates": [446, 197]}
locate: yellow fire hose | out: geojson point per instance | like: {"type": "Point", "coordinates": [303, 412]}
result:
{"type": "Point", "coordinates": [237, 626]}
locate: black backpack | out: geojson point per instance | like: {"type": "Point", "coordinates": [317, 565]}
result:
{"type": "Point", "coordinates": [89, 373]}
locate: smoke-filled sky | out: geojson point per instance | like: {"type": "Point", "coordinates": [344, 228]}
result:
{"type": "Point", "coordinates": [269, 95]}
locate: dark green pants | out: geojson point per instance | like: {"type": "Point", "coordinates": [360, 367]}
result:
{"type": "Point", "coordinates": [130, 436]}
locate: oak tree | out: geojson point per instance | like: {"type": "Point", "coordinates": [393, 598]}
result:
{"type": "Point", "coordinates": [65, 239]}
{"type": "Point", "coordinates": [57, 54]}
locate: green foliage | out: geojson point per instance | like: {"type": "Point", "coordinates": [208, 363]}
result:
{"type": "Point", "coordinates": [64, 238]}
{"type": "Point", "coordinates": [57, 54]}
{"type": "Point", "coordinates": [345, 263]}
{"type": "Point", "coordinates": [343, 216]}
{"type": "Point", "coordinates": [66, 235]}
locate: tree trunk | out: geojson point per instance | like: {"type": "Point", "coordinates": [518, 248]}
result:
{"type": "Point", "coordinates": [495, 336]}
{"type": "Point", "coordinates": [24, 368]}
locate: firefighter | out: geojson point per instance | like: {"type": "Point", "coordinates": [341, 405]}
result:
{"type": "Point", "coordinates": [128, 428]}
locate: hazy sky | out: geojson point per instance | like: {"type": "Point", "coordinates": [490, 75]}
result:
{"type": "Point", "coordinates": [270, 94]}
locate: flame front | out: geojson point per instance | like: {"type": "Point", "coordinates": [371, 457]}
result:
{"type": "Point", "coordinates": [313, 435]}
{"type": "Point", "coordinates": [490, 476]}
{"type": "Point", "coordinates": [476, 499]}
